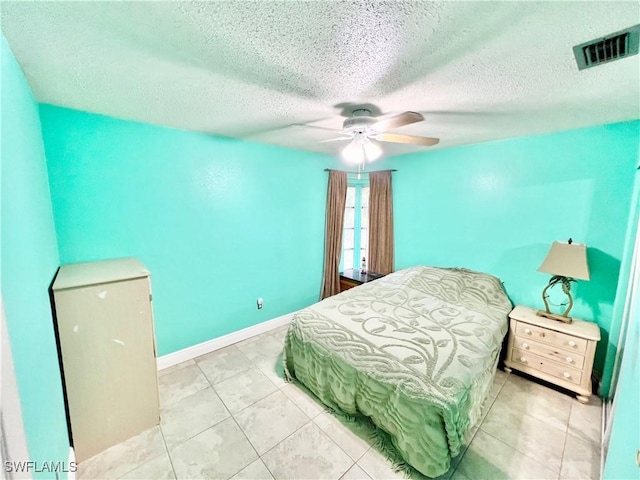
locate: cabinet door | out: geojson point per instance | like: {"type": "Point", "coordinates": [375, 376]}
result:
{"type": "Point", "coordinates": [107, 347]}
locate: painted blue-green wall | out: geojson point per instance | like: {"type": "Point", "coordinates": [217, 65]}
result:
{"type": "Point", "coordinates": [625, 435]}
{"type": "Point", "coordinates": [498, 206]}
{"type": "Point", "coordinates": [219, 222]}
{"type": "Point", "coordinates": [623, 286]}
{"type": "Point", "coordinates": [29, 261]}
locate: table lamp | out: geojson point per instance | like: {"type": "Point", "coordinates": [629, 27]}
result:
{"type": "Point", "coordinates": [567, 262]}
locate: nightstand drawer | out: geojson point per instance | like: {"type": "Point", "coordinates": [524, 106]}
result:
{"type": "Point", "coordinates": [562, 340]}
{"type": "Point", "coordinates": [352, 278]}
{"type": "Point", "coordinates": [346, 284]}
{"type": "Point", "coordinates": [542, 364]}
{"type": "Point", "coordinates": [550, 352]}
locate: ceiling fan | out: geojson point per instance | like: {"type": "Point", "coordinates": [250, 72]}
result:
{"type": "Point", "coordinates": [365, 131]}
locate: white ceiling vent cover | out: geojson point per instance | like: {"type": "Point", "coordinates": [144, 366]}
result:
{"type": "Point", "coordinates": [616, 46]}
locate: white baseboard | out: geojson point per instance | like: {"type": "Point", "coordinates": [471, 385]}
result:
{"type": "Point", "coordinates": [166, 361]}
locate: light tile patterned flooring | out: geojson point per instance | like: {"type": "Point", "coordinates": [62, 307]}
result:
{"type": "Point", "coordinates": [230, 414]}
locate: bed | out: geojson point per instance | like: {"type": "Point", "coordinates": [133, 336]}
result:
{"type": "Point", "coordinates": [414, 352]}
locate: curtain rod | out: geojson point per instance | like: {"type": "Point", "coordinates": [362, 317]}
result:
{"type": "Point", "coordinates": [355, 173]}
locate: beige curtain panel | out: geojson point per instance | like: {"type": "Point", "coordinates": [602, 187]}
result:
{"type": "Point", "coordinates": [336, 200]}
{"type": "Point", "coordinates": [381, 249]}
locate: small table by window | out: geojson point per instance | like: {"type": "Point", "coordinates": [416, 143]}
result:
{"type": "Point", "coordinates": [352, 278]}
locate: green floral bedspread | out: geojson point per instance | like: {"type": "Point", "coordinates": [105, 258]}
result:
{"type": "Point", "coordinates": [415, 351]}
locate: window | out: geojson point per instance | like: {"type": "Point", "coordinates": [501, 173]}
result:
{"type": "Point", "coordinates": [355, 235]}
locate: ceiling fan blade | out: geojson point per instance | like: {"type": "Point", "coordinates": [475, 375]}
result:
{"type": "Point", "coordinates": [394, 121]}
{"type": "Point", "coordinates": [335, 139]}
{"type": "Point", "coordinates": [399, 138]}
{"type": "Point", "coordinates": [316, 127]}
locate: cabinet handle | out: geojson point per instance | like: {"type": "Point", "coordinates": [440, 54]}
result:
{"type": "Point", "coordinates": [572, 343]}
{"type": "Point", "coordinates": [566, 375]}
{"type": "Point", "coordinates": [527, 331]}
{"type": "Point", "coordinates": [523, 359]}
{"type": "Point", "coordinates": [525, 345]}
{"type": "Point", "coordinates": [569, 360]}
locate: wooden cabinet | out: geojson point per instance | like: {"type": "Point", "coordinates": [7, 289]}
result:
{"type": "Point", "coordinates": [559, 353]}
{"type": "Point", "coordinates": [353, 278]}
{"type": "Point", "coordinates": [347, 283]}
{"type": "Point", "coordinates": [106, 342]}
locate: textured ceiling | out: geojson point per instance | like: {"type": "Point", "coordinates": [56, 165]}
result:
{"type": "Point", "coordinates": [477, 71]}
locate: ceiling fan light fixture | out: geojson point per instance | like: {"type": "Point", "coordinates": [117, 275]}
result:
{"type": "Point", "coordinates": [372, 150]}
{"type": "Point", "coordinates": [353, 153]}
{"type": "Point", "coordinates": [362, 128]}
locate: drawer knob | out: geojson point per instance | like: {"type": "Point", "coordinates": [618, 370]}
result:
{"type": "Point", "coordinates": [542, 334]}
{"type": "Point", "coordinates": [569, 360]}
{"type": "Point", "coordinates": [572, 343]}
{"type": "Point", "coordinates": [566, 375]}
{"type": "Point", "coordinates": [527, 331]}
{"type": "Point", "coordinates": [523, 359]}
{"type": "Point", "coordinates": [525, 345]}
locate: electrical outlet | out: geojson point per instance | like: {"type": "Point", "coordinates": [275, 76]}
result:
{"type": "Point", "coordinates": [259, 303]}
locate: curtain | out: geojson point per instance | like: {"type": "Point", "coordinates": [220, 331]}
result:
{"type": "Point", "coordinates": [380, 223]}
{"type": "Point", "coordinates": [336, 199]}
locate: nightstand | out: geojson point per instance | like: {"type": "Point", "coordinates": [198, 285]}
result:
{"type": "Point", "coordinates": [353, 278]}
{"type": "Point", "coordinates": [559, 353]}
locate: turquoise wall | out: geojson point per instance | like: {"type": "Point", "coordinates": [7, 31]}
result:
{"type": "Point", "coordinates": [623, 285]}
{"type": "Point", "coordinates": [219, 222]}
{"type": "Point", "coordinates": [29, 261]}
{"type": "Point", "coordinates": [498, 206]}
{"type": "Point", "coordinates": [625, 435]}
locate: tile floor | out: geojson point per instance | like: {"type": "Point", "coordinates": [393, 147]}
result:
{"type": "Point", "coordinates": [230, 414]}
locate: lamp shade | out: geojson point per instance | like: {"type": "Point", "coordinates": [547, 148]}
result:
{"type": "Point", "coordinates": [353, 153]}
{"type": "Point", "coordinates": [372, 151]}
{"type": "Point", "coordinates": [361, 148]}
{"type": "Point", "coordinates": [566, 260]}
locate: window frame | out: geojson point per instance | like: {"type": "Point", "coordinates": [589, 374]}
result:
{"type": "Point", "coordinates": [357, 223]}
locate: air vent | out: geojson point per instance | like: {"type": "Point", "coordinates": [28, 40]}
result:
{"type": "Point", "coordinates": [616, 46]}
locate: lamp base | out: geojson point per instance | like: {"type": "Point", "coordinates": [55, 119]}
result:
{"type": "Point", "coordinates": [553, 316]}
